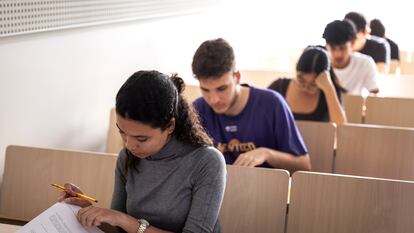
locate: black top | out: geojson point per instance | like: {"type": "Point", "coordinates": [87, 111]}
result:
{"type": "Point", "coordinates": [395, 52]}
{"type": "Point", "coordinates": [319, 114]}
{"type": "Point", "coordinates": [377, 48]}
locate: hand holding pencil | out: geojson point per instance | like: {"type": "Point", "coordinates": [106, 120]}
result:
{"type": "Point", "coordinates": [71, 194]}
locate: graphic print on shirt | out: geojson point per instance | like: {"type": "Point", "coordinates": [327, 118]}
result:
{"type": "Point", "coordinates": [235, 145]}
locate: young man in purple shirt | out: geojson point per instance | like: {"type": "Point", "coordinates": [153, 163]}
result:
{"type": "Point", "coordinates": [250, 126]}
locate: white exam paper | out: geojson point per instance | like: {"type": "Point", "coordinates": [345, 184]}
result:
{"type": "Point", "coordinates": [59, 218]}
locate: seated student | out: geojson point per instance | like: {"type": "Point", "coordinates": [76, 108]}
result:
{"type": "Point", "coordinates": [167, 178]}
{"type": "Point", "coordinates": [378, 29]}
{"type": "Point", "coordinates": [251, 126]}
{"type": "Point", "coordinates": [377, 48]}
{"type": "Point", "coordinates": [315, 93]}
{"type": "Point", "coordinates": [356, 71]}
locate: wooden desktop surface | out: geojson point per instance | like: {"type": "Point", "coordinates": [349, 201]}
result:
{"type": "Point", "coordinates": [7, 228]}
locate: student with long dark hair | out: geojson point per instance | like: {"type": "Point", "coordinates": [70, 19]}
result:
{"type": "Point", "coordinates": [168, 178]}
{"type": "Point", "coordinates": [315, 93]}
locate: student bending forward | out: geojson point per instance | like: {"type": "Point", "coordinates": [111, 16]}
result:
{"type": "Point", "coordinates": [168, 178]}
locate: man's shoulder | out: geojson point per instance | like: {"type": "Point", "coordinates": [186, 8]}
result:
{"type": "Point", "coordinates": [392, 43]}
{"type": "Point", "coordinates": [267, 100]}
{"type": "Point", "coordinates": [199, 101]}
{"type": "Point", "coordinates": [364, 65]}
{"type": "Point", "coordinates": [262, 94]}
{"type": "Point", "coordinates": [199, 104]}
{"type": "Point", "coordinates": [377, 42]}
{"type": "Point", "coordinates": [360, 58]}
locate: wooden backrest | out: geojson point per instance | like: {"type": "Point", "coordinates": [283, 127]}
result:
{"type": "Point", "coordinates": [7, 228]}
{"type": "Point", "coordinates": [375, 151]}
{"type": "Point", "coordinates": [28, 173]}
{"type": "Point", "coordinates": [394, 67]}
{"type": "Point", "coordinates": [114, 142]}
{"type": "Point", "coordinates": [390, 111]}
{"type": "Point", "coordinates": [326, 203]}
{"type": "Point", "coordinates": [406, 62]}
{"type": "Point", "coordinates": [319, 138]}
{"type": "Point", "coordinates": [255, 200]}
{"type": "Point", "coordinates": [353, 106]}
{"type": "Point", "coordinates": [405, 56]}
{"type": "Point", "coordinates": [192, 92]}
{"type": "Point", "coordinates": [262, 78]}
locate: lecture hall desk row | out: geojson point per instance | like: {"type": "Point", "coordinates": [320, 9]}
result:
{"type": "Point", "coordinates": [255, 198]}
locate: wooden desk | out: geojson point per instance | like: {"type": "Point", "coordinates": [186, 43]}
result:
{"type": "Point", "coordinates": [390, 111]}
{"type": "Point", "coordinates": [327, 203]}
{"type": "Point", "coordinates": [35, 168]}
{"type": "Point", "coordinates": [255, 200]}
{"type": "Point", "coordinates": [375, 151]}
{"type": "Point", "coordinates": [319, 138]}
{"type": "Point", "coordinates": [7, 228]}
{"type": "Point", "coordinates": [353, 106]}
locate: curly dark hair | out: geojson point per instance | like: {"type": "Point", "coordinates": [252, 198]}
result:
{"type": "Point", "coordinates": [213, 59]}
{"type": "Point", "coordinates": [155, 99]}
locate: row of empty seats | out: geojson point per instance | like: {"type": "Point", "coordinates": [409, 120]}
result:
{"type": "Point", "coordinates": [363, 150]}
{"type": "Point", "coordinates": [255, 198]}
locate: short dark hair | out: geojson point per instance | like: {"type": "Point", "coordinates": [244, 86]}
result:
{"type": "Point", "coordinates": [339, 32]}
{"type": "Point", "coordinates": [213, 59]}
{"type": "Point", "coordinates": [358, 19]}
{"type": "Point", "coordinates": [377, 28]}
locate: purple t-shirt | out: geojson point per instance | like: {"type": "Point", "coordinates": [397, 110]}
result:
{"type": "Point", "coordinates": [266, 121]}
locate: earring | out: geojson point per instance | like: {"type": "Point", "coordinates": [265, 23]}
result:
{"type": "Point", "coordinates": [171, 131]}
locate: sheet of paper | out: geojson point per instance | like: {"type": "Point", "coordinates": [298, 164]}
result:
{"type": "Point", "coordinates": [59, 218]}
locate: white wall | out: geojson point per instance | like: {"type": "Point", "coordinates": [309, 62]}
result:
{"type": "Point", "coordinates": [56, 88]}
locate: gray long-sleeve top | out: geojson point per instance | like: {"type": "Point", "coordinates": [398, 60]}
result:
{"type": "Point", "coordinates": [179, 189]}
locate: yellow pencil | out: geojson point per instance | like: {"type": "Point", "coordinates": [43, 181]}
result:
{"type": "Point", "coordinates": [77, 194]}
